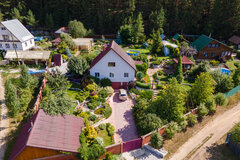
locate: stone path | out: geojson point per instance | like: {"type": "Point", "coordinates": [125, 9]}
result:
{"type": "Point", "coordinates": [4, 124]}
{"type": "Point", "coordinates": [213, 131]}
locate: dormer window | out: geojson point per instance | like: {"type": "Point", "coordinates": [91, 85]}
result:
{"type": "Point", "coordinates": [3, 28]}
{"type": "Point", "coordinates": [111, 64]}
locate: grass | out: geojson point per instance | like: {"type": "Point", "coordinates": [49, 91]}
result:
{"type": "Point", "coordinates": [72, 94]}
{"type": "Point", "coordinates": [74, 85]}
{"type": "Point", "coordinates": [107, 140]}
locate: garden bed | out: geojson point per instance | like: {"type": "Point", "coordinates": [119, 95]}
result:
{"type": "Point", "coordinates": [107, 140]}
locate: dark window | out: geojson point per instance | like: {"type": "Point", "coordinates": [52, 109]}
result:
{"type": "Point", "coordinates": [97, 74]}
{"type": "Point", "coordinates": [187, 66]}
{"type": "Point", "coordinates": [223, 53]}
{"type": "Point", "coordinates": [111, 75]}
{"type": "Point", "coordinates": [14, 45]}
{"type": "Point", "coordinates": [0, 45]}
{"type": "Point", "coordinates": [217, 45]}
{"type": "Point", "coordinates": [5, 37]}
{"type": "Point", "coordinates": [26, 44]}
{"type": "Point", "coordinates": [209, 45]}
{"type": "Point", "coordinates": [205, 54]}
{"type": "Point", "coordinates": [3, 28]}
{"type": "Point", "coordinates": [111, 64]}
{"type": "Point", "coordinates": [213, 54]}
{"type": "Point", "coordinates": [125, 74]}
{"type": "Point", "coordinates": [213, 45]}
{"type": "Point", "coordinates": [7, 45]}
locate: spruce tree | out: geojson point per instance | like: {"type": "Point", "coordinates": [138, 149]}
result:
{"type": "Point", "coordinates": [30, 19]}
{"type": "Point", "coordinates": [178, 71]}
{"type": "Point", "coordinates": [15, 14]}
{"type": "Point", "coordinates": [1, 16]}
{"type": "Point", "coordinates": [139, 29]}
{"type": "Point", "coordinates": [157, 45]}
{"type": "Point", "coordinates": [25, 76]}
{"type": "Point", "coordinates": [157, 19]}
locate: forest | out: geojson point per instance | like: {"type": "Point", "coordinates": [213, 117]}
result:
{"type": "Point", "coordinates": [220, 18]}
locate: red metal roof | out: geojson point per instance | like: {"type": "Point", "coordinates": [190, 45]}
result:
{"type": "Point", "coordinates": [59, 133]}
{"type": "Point", "coordinates": [235, 39]}
{"type": "Point", "coordinates": [185, 60]}
{"type": "Point", "coordinates": [119, 51]}
{"type": "Point", "coordinates": [57, 40]}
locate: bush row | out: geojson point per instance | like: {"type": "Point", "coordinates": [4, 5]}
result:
{"type": "Point", "coordinates": [143, 85]}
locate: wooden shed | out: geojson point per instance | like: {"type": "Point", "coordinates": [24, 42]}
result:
{"type": "Point", "coordinates": [45, 136]}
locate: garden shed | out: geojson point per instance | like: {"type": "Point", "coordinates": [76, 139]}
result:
{"type": "Point", "coordinates": [83, 43]}
{"type": "Point", "coordinates": [166, 49]}
{"type": "Point", "coordinates": [186, 63]}
{"type": "Point", "coordinates": [44, 136]}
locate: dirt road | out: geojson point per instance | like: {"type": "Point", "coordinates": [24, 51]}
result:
{"type": "Point", "coordinates": [206, 137]}
{"type": "Point", "coordinates": [4, 124]}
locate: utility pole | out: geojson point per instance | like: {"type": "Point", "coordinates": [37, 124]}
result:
{"type": "Point", "coordinates": [15, 49]}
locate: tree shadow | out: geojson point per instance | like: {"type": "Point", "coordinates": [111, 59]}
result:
{"type": "Point", "coordinates": [220, 152]}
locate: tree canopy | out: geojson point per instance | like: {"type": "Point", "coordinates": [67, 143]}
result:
{"type": "Point", "coordinates": [77, 29]}
{"type": "Point", "coordinates": [78, 65]}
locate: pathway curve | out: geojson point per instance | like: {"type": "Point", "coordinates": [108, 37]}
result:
{"type": "Point", "coordinates": [4, 124]}
{"type": "Point", "coordinates": [150, 72]}
{"type": "Point", "coordinates": [215, 129]}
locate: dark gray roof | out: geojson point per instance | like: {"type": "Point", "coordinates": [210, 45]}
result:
{"type": "Point", "coordinates": [18, 30]}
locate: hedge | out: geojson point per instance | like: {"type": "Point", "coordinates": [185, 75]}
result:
{"type": "Point", "coordinates": [143, 85]}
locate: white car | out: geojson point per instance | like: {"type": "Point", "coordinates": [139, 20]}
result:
{"type": "Point", "coordinates": [122, 94]}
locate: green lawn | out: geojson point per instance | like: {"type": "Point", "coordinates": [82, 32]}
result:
{"type": "Point", "coordinates": [72, 94]}
{"type": "Point", "coordinates": [107, 140]}
{"type": "Point", "coordinates": [142, 51]}
{"type": "Point", "coordinates": [74, 85]}
{"type": "Point", "coordinates": [164, 58]}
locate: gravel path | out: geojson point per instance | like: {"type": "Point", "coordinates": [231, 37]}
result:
{"type": "Point", "coordinates": [4, 124]}
{"type": "Point", "coordinates": [215, 129]}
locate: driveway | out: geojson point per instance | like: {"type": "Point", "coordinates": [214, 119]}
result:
{"type": "Point", "coordinates": [122, 119]}
{"type": "Point", "coordinates": [213, 131]}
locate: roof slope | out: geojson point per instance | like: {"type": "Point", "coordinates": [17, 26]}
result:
{"type": "Point", "coordinates": [176, 36]}
{"type": "Point", "coordinates": [49, 132]}
{"type": "Point", "coordinates": [234, 39]}
{"type": "Point", "coordinates": [201, 42]}
{"type": "Point", "coordinates": [119, 51]}
{"type": "Point", "coordinates": [185, 60]}
{"type": "Point", "coordinates": [18, 30]}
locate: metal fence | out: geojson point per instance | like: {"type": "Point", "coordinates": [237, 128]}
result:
{"type": "Point", "coordinates": [232, 92]}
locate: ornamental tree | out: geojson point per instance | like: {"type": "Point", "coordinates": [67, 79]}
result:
{"type": "Point", "coordinates": [78, 65]}
{"type": "Point", "coordinates": [178, 71]}
{"type": "Point", "coordinates": [77, 29]}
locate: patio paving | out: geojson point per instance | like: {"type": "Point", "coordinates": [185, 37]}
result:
{"type": "Point", "coordinates": [122, 119]}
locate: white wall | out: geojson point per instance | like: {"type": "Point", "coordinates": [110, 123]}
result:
{"type": "Point", "coordinates": [20, 45]}
{"type": "Point", "coordinates": [120, 68]}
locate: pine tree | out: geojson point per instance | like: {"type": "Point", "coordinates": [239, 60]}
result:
{"type": "Point", "coordinates": [49, 21]}
{"type": "Point", "coordinates": [139, 29]}
{"type": "Point", "coordinates": [1, 16]}
{"type": "Point", "coordinates": [157, 45]}
{"type": "Point", "coordinates": [25, 76]}
{"type": "Point", "coordinates": [30, 19]}
{"type": "Point", "coordinates": [157, 20]}
{"type": "Point", "coordinates": [15, 14]}
{"type": "Point", "coordinates": [178, 71]}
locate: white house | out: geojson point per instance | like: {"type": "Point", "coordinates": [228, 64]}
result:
{"type": "Point", "coordinates": [115, 64]}
{"type": "Point", "coordinates": [13, 35]}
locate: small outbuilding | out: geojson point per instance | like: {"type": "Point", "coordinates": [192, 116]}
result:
{"type": "Point", "coordinates": [83, 43]}
{"type": "Point", "coordinates": [235, 40]}
{"type": "Point", "coordinates": [45, 136]}
{"type": "Point", "coordinates": [186, 63]}
{"type": "Point", "coordinates": [166, 49]}
{"type": "Point", "coordinates": [60, 31]}
{"type": "Point", "coordinates": [28, 57]}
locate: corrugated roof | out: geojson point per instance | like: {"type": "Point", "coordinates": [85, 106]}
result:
{"type": "Point", "coordinates": [234, 39]}
{"type": "Point", "coordinates": [26, 55]}
{"type": "Point", "coordinates": [18, 30]}
{"type": "Point", "coordinates": [201, 42]}
{"type": "Point", "coordinates": [62, 30]}
{"type": "Point", "coordinates": [119, 51]}
{"type": "Point", "coordinates": [185, 60]}
{"type": "Point", "coordinates": [59, 133]}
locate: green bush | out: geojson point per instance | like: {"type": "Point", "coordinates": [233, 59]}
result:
{"type": "Point", "coordinates": [142, 67]}
{"type": "Point", "coordinates": [107, 112]}
{"type": "Point", "coordinates": [93, 105]}
{"type": "Point", "coordinates": [156, 140]}
{"type": "Point", "coordinates": [182, 124]}
{"type": "Point", "coordinates": [238, 54]}
{"type": "Point", "coordinates": [146, 94]}
{"type": "Point", "coordinates": [235, 134]}
{"type": "Point", "coordinates": [135, 91]}
{"type": "Point", "coordinates": [131, 85]}
{"type": "Point", "coordinates": [110, 129]}
{"type": "Point", "coordinates": [143, 85]}
{"type": "Point", "coordinates": [192, 120]}
{"type": "Point", "coordinates": [106, 82]}
{"type": "Point", "coordinates": [139, 75]}
{"type": "Point", "coordinates": [103, 93]}
{"type": "Point", "coordinates": [171, 129]}
{"type": "Point", "coordinates": [82, 95]}
{"type": "Point", "coordinates": [109, 90]}
{"type": "Point", "coordinates": [202, 110]}
{"type": "Point", "coordinates": [99, 111]}
{"type": "Point", "coordinates": [156, 62]}
{"type": "Point", "coordinates": [211, 105]}
{"type": "Point", "coordinates": [221, 99]}
{"type": "Point", "coordinates": [214, 62]}
{"type": "Point", "coordinates": [92, 117]}
{"type": "Point", "coordinates": [102, 126]}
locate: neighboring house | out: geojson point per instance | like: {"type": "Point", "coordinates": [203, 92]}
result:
{"type": "Point", "coordinates": [166, 50]}
{"type": "Point", "coordinates": [56, 41]}
{"type": "Point", "coordinates": [235, 40]}
{"type": "Point", "coordinates": [44, 136]}
{"type": "Point", "coordinates": [115, 64]}
{"type": "Point", "coordinates": [60, 31]}
{"type": "Point", "coordinates": [28, 57]}
{"type": "Point", "coordinates": [83, 43]}
{"type": "Point", "coordinates": [13, 35]}
{"type": "Point", "coordinates": [209, 48]}
{"type": "Point", "coordinates": [186, 63]}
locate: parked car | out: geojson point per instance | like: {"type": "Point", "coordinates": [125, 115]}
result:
{"type": "Point", "coordinates": [122, 94]}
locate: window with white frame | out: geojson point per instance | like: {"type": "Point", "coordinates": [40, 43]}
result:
{"type": "Point", "coordinates": [14, 45]}
{"type": "Point", "coordinates": [1, 45]}
{"type": "Point", "coordinates": [111, 75]}
{"type": "Point", "coordinates": [5, 37]}
{"type": "Point", "coordinates": [223, 53]}
{"type": "Point", "coordinates": [7, 45]}
{"type": "Point", "coordinates": [97, 74]}
{"type": "Point", "coordinates": [125, 74]}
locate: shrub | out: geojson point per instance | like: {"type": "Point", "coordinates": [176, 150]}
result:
{"type": "Point", "coordinates": [131, 84]}
{"type": "Point", "coordinates": [109, 90]}
{"type": "Point", "coordinates": [235, 134]}
{"type": "Point", "coordinates": [192, 120]}
{"type": "Point", "coordinates": [156, 140]}
{"type": "Point", "coordinates": [182, 125]}
{"type": "Point", "coordinates": [102, 126]}
{"type": "Point", "coordinates": [171, 129]}
{"type": "Point", "coordinates": [142, 67]}
{"type": "Point", "coordinates": [202, 110]}
{"type": "Point", "coordinates": [93, 117]}
{"type": "Point", "coordinates": [93, 105]}
{"type": "Point", "coordinates": [139, 75]}
{"type": "Point", "coordinates": [91, 87]}
{"type": "Point", "coordinates": [99, 111]}
{"type": "Point", "coordinates": [99, 140]}
{"type": "Point", "coordinates": [135, 91]}
{"type": "Point", "coordinates": [238, 54]}
{"type": "Point", "coordinates": [82, 95]}
{"type": "Point", "coordinates": [111, 130]}
{"type": "Point", "coordinates": [214, 62]}
{"type": "Point", "coordinates": [221, 99]}
{"type": "Point", "coordinates": [103, 93]}
{"type": "Point", "coordinates": [143, 85]}
{"type": "Point", "coordinates": [146, 94]}
{"type": "Point", "coordinates": [106, 82]}
{"type": "Point", "coordinates": [211, 105]}
{"type": "Point", "coordinates": [107, 112]}
{"type": "Point", "coordinates": [156, 62]}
